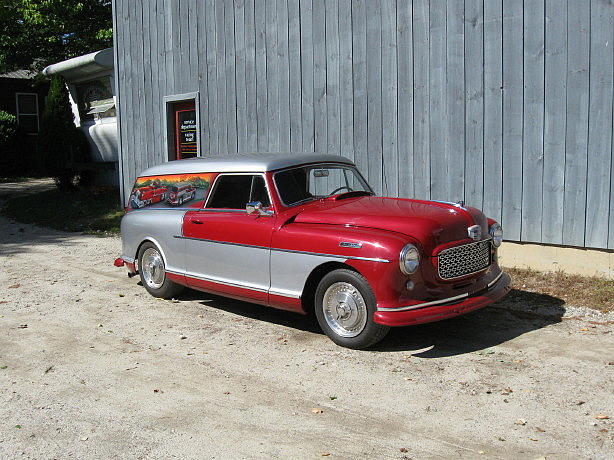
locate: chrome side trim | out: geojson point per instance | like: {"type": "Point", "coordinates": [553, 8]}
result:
{"type": "Point", "coordinates": [293, 295]}
{"type": "Point", "coordinates": [495, 280]}
{"type": "Point", "coordinates": [224, 282]}
{"type": "Point", "coordinates": [437, 302]}
{"type": "Point", "coordinates": [368, 259]}
{"type": "Point", "coordinates": [425, 304]}
{"type": "Point", "coordinates": [130, 260]}
{"type": "Point", "coordinates": [337, 256]}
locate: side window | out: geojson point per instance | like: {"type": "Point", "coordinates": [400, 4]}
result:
{"type": "Point", "coordinates": [235, 191]}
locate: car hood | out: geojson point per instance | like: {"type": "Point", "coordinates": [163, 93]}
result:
{"type": "Point", "coordinates": [431, 223]}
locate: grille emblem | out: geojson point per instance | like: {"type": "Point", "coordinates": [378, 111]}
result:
{"type": "Point", "coordinates": [474, 232]}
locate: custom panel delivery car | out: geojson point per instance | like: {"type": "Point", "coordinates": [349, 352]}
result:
{"type": "Point", "coordinates": [306, 233]}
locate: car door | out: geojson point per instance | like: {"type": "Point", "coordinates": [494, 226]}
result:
{"type": "Point", "coordinates": [227, 250]}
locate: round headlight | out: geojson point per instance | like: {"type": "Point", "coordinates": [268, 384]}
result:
{"type": "Point", "coordinates": [496, 232]}
{"type": "Point", "coordinates": [409, 259]}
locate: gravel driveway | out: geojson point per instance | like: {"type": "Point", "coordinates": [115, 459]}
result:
{"type": "Point", "coordinates": [91, 366]}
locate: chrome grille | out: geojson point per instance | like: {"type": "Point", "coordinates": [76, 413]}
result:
{"type": "Point", "coordinates": [464, 260]}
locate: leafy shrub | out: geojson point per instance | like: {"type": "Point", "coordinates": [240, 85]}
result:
{"type": "Point", "coordinates": [9, 130]}
{"type": "Point", "coordinates": [60, 142]}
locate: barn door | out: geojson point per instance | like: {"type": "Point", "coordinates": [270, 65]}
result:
{"type": "Point", "coordinates": [186, 136]}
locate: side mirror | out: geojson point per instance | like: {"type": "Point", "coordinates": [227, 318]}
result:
{"type": "Point", "coordinates": [256, 207]}
{"type": "Point", "coordinates": [252, 207]}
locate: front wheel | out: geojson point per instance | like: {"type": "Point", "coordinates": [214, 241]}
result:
{"type": "Point", "coordinates": [153, 274]}
{"type": "Point", "coordinates": [344, 307]}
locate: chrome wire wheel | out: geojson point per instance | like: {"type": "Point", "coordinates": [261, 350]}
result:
{"type": "Point", "coordinates": [152, 268]}
{"type": "Point", "coordinates": [345, 309]}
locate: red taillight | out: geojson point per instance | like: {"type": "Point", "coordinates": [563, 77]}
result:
{"type": "Point", "coordinates": [119, 262]}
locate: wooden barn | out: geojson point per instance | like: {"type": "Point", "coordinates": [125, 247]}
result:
{"type": "Point", "coordinates": [506, 105]}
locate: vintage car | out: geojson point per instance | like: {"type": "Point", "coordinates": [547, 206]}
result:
{"type": "Point", "coordinates": [306, 233]}
{"type": "Point", "coordinates": [147, 195]}
{"type": "Point", "coordinates": [180, 193]}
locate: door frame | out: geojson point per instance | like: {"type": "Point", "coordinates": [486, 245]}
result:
{"type": "Point", "coordinates": [169, 118]}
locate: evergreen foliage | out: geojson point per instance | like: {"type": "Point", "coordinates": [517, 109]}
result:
{"type": "Point", "coordinates": [60, 142]}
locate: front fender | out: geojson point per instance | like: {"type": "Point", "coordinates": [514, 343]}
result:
{"type": "Point", "coordinates": [298, 249]}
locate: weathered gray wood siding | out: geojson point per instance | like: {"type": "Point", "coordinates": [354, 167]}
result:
{"type": "Point", "coordinates": [506, 104]}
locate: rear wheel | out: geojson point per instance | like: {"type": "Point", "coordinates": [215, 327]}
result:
{"type": "Point", "coordinates": [344, 306]}
{"type": "Point", "coordinates": [153, 273]}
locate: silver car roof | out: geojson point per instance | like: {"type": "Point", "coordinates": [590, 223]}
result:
{"type": "Point", "coordinates": [254, 162]}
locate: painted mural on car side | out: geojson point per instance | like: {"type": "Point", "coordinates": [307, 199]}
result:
{"type": "Point", "coordinates": [173, 190]}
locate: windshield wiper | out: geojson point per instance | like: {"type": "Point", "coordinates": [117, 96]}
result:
{"type": "Point", "coordinates": [354, 193]}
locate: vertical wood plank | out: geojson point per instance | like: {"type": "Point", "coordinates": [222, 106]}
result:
{"type": "Point", "coordinates": [454, 147]}
{"type": "Point", "coordinates": [148, 152]}
{"type": "Point", "coordinates": [240, 66]}
{"type": "Point", "coordinates": [194, 49]}
{"type": "Point", "coordinates": [421, 46]}
{"type": "Point", "coordinates": [212, 99]}
{"type": "Point", "coordinates": [493, 109]}
{"type": "Point", "coordinates": [294, 58]}
{"type": "Point", "coordinates": [203, 87]}
{"type": "Point", "coordinates": [220, 58]}
{"type": "Point", "coordinates": [405, 73]}
{"type": "Point", "coordinates": [533, 122]}
{"type": "Point", "coordinates": [125, 101]}
{"type": "Point", "coordinates": [438, 108]}
{"type": "Point", "coordinates": [138, 107]}
{"type": "Point", "coordinates": [474, 100]}
{"type": "Point", "coordinates": [346, 86]}
{"type": "Point", "coordinates": [261, 76]}
{"type": "Point", "coordinates": [389, 99]}
{"type": "Point", "coordinates": [374, 95]}
{"type": "Point", "coordinates": [555, 93]}
{"type": "Point", "coordinates": [512, 118]}
{"type": "Point", "coordinates": [230, 77]}
{"type": "Point", "coordinates": [250, 77]}
{"type": "Point", "coordinates": [359, 69]}
{"type": "Point", "coordinates": [576, 129]}
{"type": "Point", "coordinates": [600, 124]}
{"type": "Point", "coordinates": [176, 50]}
{"type": "Point", "coordinates": [308, 128]}
{"type": "Point", "coordinates": [333, 116]}
{"type": "Point", "coordinates": [319, 77]}
{"type": "Point", "coordinates": [272, 77]}
{"type": "Point", "coordinates": [284, 76]}
{"type": "Point", "coordinates": [159, 106]}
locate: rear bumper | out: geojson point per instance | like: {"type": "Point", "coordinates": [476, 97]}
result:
{"type": "Point", "coordinates": [427, 314]}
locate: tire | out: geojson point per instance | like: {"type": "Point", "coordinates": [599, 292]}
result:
{"type": "Point", "coordinates": [153, 274]}
{"type": "Point", "coordinates": [344, 307]}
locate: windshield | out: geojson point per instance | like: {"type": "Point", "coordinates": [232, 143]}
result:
{"type": "Point", "coordinates": [306, 183]}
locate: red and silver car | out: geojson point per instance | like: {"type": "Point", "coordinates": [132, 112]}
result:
{"type": "Point", "coordinates": [306, 233]}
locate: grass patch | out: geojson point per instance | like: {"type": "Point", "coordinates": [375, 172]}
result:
{"type": "Point", "coordinates": [93, 211]}
{"type": "Point", "coordinates": [576, 290]}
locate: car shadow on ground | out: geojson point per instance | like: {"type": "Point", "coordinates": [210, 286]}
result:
{"type": "Point", "coordinates": [516, 314]}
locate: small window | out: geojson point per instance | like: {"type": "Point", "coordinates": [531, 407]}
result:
{"type": "Point", "coordinates": [234, 191]}
{"type": "Point", "coordinates": [27, 112]}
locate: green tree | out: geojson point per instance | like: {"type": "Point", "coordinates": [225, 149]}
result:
{"type": "Point", "coordinates": [60, 142]}
{"type": "Point", "coordinates": [9, 160]}
{"type": "Point", "coordinates": [36, 33]}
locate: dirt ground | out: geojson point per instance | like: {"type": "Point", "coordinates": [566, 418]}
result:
{"type": "Point", "coordinates": [91, 366]}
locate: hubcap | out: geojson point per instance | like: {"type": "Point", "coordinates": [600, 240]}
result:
{"type": "Point", "coordinates": [344, 309]}
{"type": "Point", "coordinates": [152, 267]}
